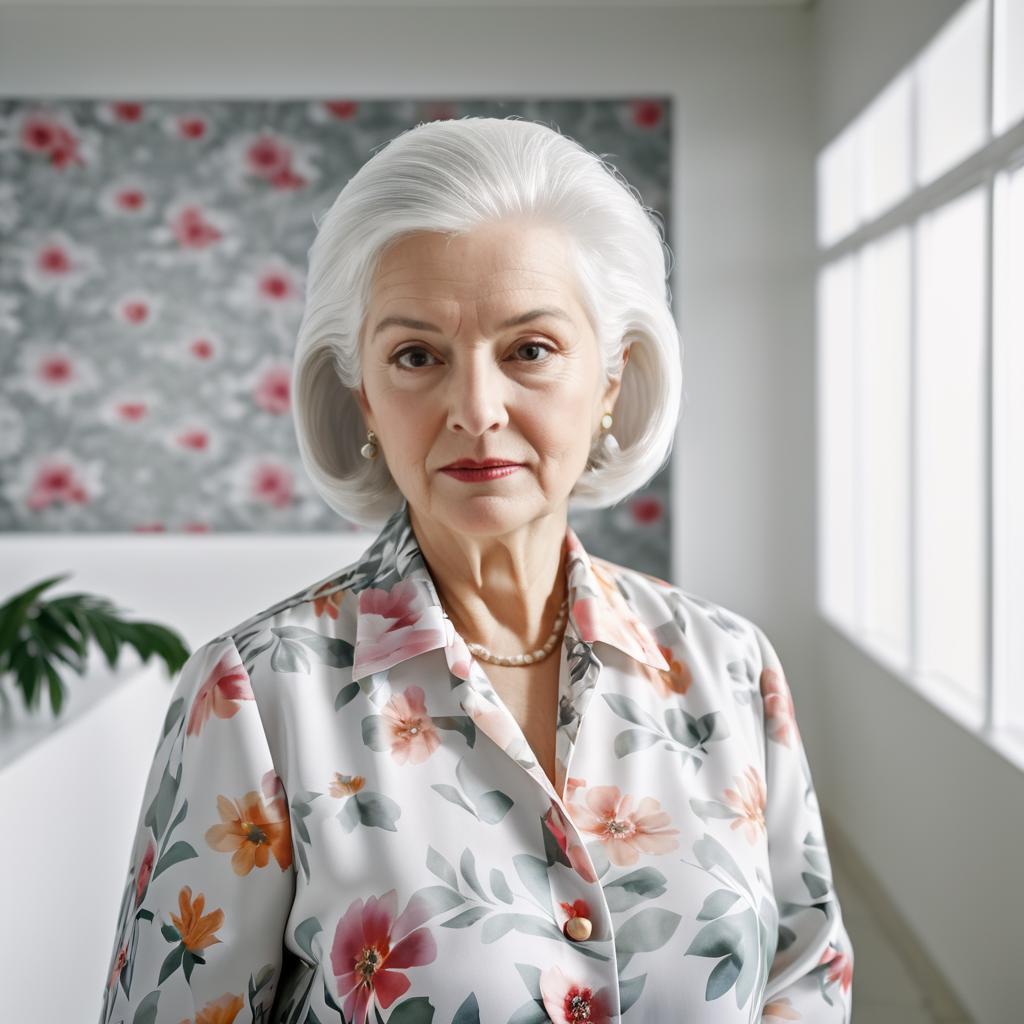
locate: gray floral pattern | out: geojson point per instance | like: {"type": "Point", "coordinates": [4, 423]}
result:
{"type": "Point", "coordinates": [152, 261]}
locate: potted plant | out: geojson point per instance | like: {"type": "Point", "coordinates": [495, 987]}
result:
{"type": "Point", "coordinates": [37, 634]}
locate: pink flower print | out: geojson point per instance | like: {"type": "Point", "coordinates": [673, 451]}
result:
{"type": "Point", "coordinates": [371, 947]}
{"type": "Point", "coordinates": [607, 814]}
{"type": "Point", "coordinates": [410, 728]}
{"type": "Point", "coordinates": [145, 872]}
{"type": "Point", "coordinates": [274, 792]}
{"type": "Point", "coordinates": [390, 623]}
{"type": "Point", "coordinates": [572, 783]}
{"type": "Point", "coordinates": [221, 693]}
{"type": "Point", "coordinates": [569, 1002]}
{"type": "Point", "coordinates": [840, 967]}
{"type": "Point", "coordinates": [748, 802]}
{"type": "Point", "coordinates": [780, 716]}
{"type": "Point", "coordinates": [779, 1009]}
{"type": "Point", "coordinates": [565, 835]}
{"type": "Point", "coordinates": [192, 229]}
{"type": "Point", "coordinates": [119, 961]}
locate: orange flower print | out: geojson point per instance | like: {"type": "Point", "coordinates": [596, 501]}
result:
{"type": "Point", "coordinates": [221, 694]}
{"type": "Point", "coordinates": [145, 872]}
{"type": "Point", "coordinates": [780, 717]}
{"type": "Point", "coordinates": [346, 785]}
{"type": "Point", "coordinates": [196, 928]}
{"type": "Point", "coordinates": [221, 1011]}
{"type": "Point", "coordinates": [578, 908]}
{"type": "Point", "coordinates": [251, 832]}
{"type": "Point", "coordinates": [328, 603]}
{"type": "Point", "coordinates": [609, 815]}
{"type": "Point", "coordinates": [748, 801]}
{"type": "Point", "coordinates": [779, 1009]}
{"type": "Point", "coordinates": [840, 967]}
{"type": "Point", "coordinates": [119, 961]}
{"type": "Point", "coordinates": [676, 679]}
{"type": "Point", "coordinates": [373, 943]}
{"type": "Point", "coordinates": [568, 1001]}
{"type": "Point", "coordinates": [411, 730]}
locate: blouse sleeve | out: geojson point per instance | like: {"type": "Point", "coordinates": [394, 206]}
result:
{"type": "Point", "coordinates": [812, 972]}
{"type": "Point", "coordinates": [210, 880]}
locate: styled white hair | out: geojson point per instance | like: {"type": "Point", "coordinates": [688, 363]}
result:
{"type": "Point", "coordinates": [451, 176]}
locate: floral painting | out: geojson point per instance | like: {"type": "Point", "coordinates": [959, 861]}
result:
{"type": "Point", "coordinates": [152, 259]}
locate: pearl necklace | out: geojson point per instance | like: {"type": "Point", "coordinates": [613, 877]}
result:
{"type": "Point", "coordinates": [524, 659]}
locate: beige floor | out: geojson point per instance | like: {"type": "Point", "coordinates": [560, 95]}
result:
{"type": "Point", "coordinates": [894, 982]}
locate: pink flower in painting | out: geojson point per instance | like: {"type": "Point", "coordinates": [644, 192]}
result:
{"type": "Point", "coordinates": [53, 258]}
{"type": "Point", "coordinates": [646, 510]}
{"type": "Point", "coordinates": [221, 693]}
{"type": "Point", "coordinates": [372, 947]}
{"type": "Point", "coordinates": [130, 412]}
{"type": "Point", "coordinates": [150, 528]}
{"type": "Point", "coordinates": [391, 622]}
{"type": "Point", "coordinates": [780, 716]}
{"type": "Point", "coordinates": [609, 815]}
{"type": "Point", "coordinates": [55, 481]}
{"type": "Point", "coordinates": [201, 348]}
{"type": "Point", "coordinates": [195, 439]}
{"type": "Point", "coordinates": [192, 229]}
{"type": "Point", "coordinates": [568, 1001]}
{"type": "Point", "coordinates": [191, 126]}
{"type": "Point", "coordinates": [145, 872]}
{"type": "Point", "coordinates": [273, 389]}
{"type": "Point", "coordinates": [267, 156]}
{"type": "Point", "coordinates": [48, 136]}
{"type": "Point", "coordinates": [136, 310]}
{"type": "Point", "coordinates": [565, 835]}
{"type": "Point", "coordinates": [131, 200]}
{"type": "Point", "coordinates": [343, 110]}
{"type": "Point", "coordinates": [272, 483]}
{"type": "Point", "coordinates": [748, 801]}
{"type": "Point", "coordinates": [410, 729]}
{"type": "Point", "coordinates": [840, 967]}
{"type": "Point", "coordinates": [275, 285]}
{"type": "Point", "coordinates": [196, 527]}
{"type": "Point", "coordinates": [126, 111]}
{"type": "Point", "coordinates": [647, 113]}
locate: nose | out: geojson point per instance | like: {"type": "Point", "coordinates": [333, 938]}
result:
{"type": "Point", "coordinates": [476, 393]}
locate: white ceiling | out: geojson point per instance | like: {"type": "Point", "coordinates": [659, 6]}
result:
{"type": "Point", "coordinates": [482, 4]}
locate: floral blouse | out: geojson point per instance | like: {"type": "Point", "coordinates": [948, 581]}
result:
{"type": "Point", "coordinates": [343, 822]}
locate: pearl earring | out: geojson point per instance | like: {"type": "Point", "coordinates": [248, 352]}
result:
{"type": "Point", "coordinates": [370, 449]}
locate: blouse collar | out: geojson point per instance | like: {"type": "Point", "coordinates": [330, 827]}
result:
{"type": "Point", "coordinates": [400, 614]}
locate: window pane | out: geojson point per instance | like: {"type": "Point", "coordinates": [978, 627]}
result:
{"type": "Point", "coordinates": [836, 554]}
{"type": "Point", "coordinates": [885, 142]}
{"type": "Point", "coordinates": [883, 345]}
{"type": "Point", "coordinates": [837, 185]}
{"type": "Point", "coordinates": [1008, 453]}
{"type": "Point", "coordinates": [951, 81]}
{"type": "Point", "coordinates": [1008, 39]}
{"type": "Point", "coordinates": [950, 445]}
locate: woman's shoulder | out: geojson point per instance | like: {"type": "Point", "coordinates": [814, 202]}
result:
{"type": "Point", "coordinates": [657, 602]}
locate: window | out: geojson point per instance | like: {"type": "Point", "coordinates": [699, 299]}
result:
{"type": "Point", "coordinates": [920, 340]}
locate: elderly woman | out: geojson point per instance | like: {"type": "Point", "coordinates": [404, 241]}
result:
{"type": "Point", "coordinates": [480, 774]}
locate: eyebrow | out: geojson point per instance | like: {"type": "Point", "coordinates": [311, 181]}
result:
{"type": "Point", "coordinates": [515, 321]}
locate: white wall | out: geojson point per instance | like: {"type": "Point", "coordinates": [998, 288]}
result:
{"type": "Point", "coordinates": [743, 288]}
{"type": "Point", "coordinates": [935, 813]}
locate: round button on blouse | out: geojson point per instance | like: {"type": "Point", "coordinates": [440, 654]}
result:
{"type": "Point", "coordinates": [578, 928]}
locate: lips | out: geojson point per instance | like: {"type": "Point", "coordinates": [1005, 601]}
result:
{"type": "Point", "coordinates": [470, 464]}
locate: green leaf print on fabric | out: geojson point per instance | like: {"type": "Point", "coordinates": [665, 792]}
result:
{"type": "Point", "coordinates": [681, 733]}
{"type": "Point", "coordinates": [629, 890]}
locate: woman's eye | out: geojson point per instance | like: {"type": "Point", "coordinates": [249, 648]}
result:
{"type": "Point", "coordinates": [416, 350]}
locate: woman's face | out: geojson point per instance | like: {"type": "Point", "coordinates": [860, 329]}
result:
{"type": "Point", "coordinates": [452, 377]}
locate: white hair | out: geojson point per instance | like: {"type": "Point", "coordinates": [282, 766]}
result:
{"type": "Point", "coordinates": [450, 176]}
